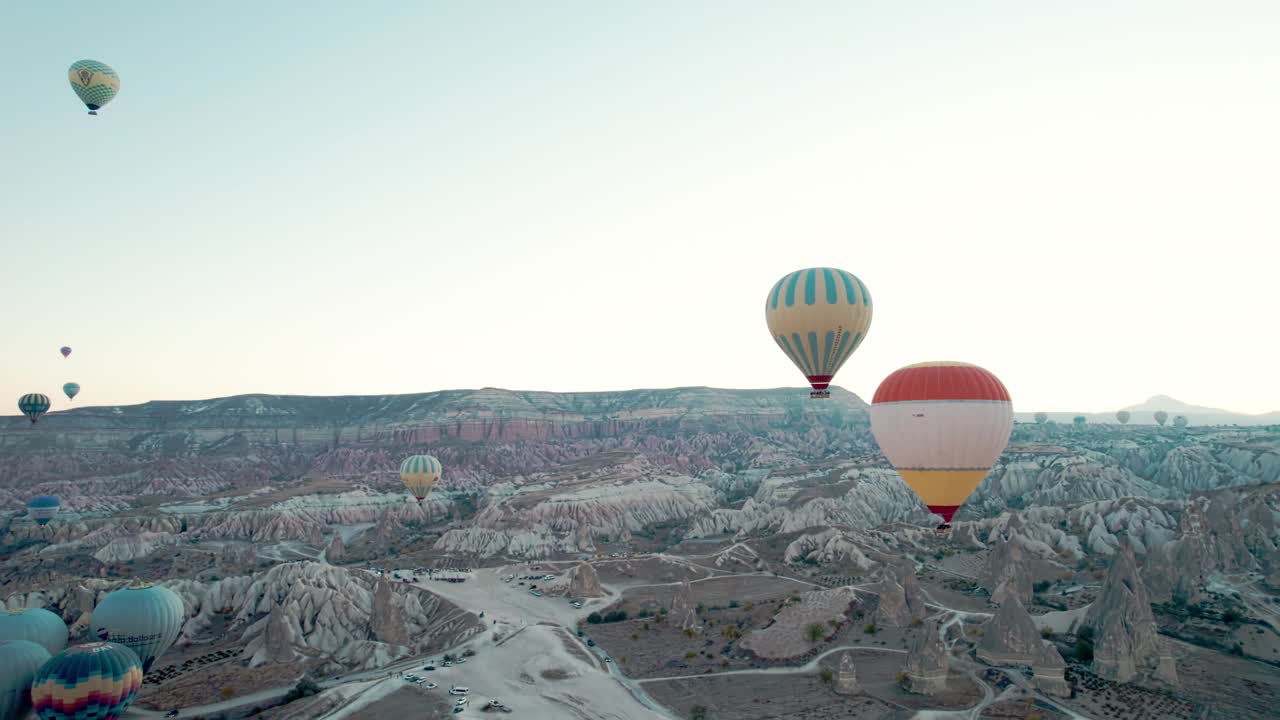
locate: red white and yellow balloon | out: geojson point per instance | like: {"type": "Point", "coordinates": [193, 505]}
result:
{"type": "Point", "coordinates": [942, 425]}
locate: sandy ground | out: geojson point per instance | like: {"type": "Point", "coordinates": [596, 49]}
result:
{"type": "Point", "coordinates": [528, 659]}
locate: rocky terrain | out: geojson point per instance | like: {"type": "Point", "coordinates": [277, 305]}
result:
{"type": "Point", "coordinates": [1100, 551]}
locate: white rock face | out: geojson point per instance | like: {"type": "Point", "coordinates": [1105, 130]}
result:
{"type": "Point", "coordinates": [322, 611]}
{"type": "Point", "coordinates": [1010, 638]}
{"type": "Point", "coordinates": [901, 600]}
{"type": "Point", "coordinates": [1126, 644]}
{"type": "Point", "coordinates": [133, 547]}
{"type": "Point", "coordinates": [847, 677]}
{"type": "Point", "coordinates": [830, 546]}
{"type": "Point", "coordinates": [783, 504]}
{"type": "Point", "coordinates": [928, 662]}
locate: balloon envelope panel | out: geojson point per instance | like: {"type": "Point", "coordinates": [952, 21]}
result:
{"type": "Point", "coordinates": [20, 660]}
{"type": "Point", "coordinates": [144, 618]}
{"type": "Point", "coordinates": [42, 509]}
{"type": "Point", "coordinates": [942, 426]}
{"type": "Point", "coordinates": [95, 83]}
{"type": "Point", "coordinates": [94, 681]}
{"type": "Point", "coordinates": [419, 474]}
{"type": "Point", "coordinates": [33, 405]}
{"type": "Point", "coordinates": [35, 624]}
{"type": "Point", "coordinates": [818, 317]}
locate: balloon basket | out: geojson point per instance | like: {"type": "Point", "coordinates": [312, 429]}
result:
{"type": "Point", "coordinates": [943, 530]}
{"type": "Point", "coordinates": [820, 394]}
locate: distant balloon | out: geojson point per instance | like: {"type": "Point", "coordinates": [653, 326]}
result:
{"type": "Point", "coordinates": [1079, 420]}
{"type": "Point", "coordinates": [1123, 416]}
{"type": "Point", "coordinates": [33, 405]}
{"type": "Point", "coordinates": [43, 509]}
{"type": "Point", "coordinates": [818, 316]}
{"type": "Point", "coordinates": [1041, 418]}
{"type": "Point", "coordinates": [1161, 417]}
{"type": "Point", "coordinates": [95, 83]}
{"type": "Point", "coordinates": [419, 474]}
{"type": "Point", "coordinates": [1180, 421]}
{"type": "Point", "coordinates": [94, 681]}
{"type": "Point", "coordinates": [65, 351]}
{"type": "Point", "coordinates": [21, 659]}
{"type": "Point", "coordinates": [144, 618]}
{"type": "Point", "coordinates": [942, 425]}
{"type": "Point", "coordinates": [35, 624]}
{"type": "Point", "coordinates": [72, 390]}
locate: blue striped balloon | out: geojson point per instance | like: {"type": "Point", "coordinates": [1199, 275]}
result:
{"type": "Point", "coordinates": [42, 509]}
{"type": "Point", "coordinates": [33, 405]}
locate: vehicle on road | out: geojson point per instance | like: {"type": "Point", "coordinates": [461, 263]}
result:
{"type": "Point", "coordinates": [459, 690]}
{"type": "Point", "coordinates": [428, 668]}
{"type": "Point", "coordinates": [432, 686]}
{"type": "Point", "coordinates": [171, 713]}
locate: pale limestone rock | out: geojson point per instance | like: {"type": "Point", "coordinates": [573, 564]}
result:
{"type": "Point", "coordinates": [927, 661]}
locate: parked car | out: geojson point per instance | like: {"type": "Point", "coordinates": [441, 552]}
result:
{"type": "Point", "coordinates": [431, 686]}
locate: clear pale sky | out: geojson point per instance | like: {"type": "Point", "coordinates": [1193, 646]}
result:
{"type": "Point", "coordinates": [391, 197]}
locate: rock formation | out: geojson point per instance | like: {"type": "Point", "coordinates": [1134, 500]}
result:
{"type": "Point", "coordinates": [1049, 672]}
{"type": "Point", "coordinates": [900, 602]}
{"type": "Point", "coordinates": [1008, 571]}
{"type": "Point", "coordinates": [927, 661]}
{"type": "Point", "coordinates": [315, 537]}
{"type": "Point", "coordinates": [583, 582]}
{"type": "Point", "coordinates": [847, 677]}
{"type": "Point", "coordinates": [1126, 645]}
{"type": "Point", "coordinates": [1009, 638]}
{"type": "Point", "coordinates": [278, 643]}
{"type": "Point", "coordinates": [683, 611]}
{"type": "Point", "coordinates": [336, 549]}
{"type": "Point", "coordinates": [387, 619]}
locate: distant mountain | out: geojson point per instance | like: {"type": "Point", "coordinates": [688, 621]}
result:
{"type": "Point", "coordinates": [1142, 414]}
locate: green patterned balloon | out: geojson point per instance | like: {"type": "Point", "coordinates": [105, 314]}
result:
{"type": "Point", "coordinates": [95, 83]}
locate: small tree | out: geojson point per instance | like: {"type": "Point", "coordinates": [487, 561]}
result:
{"type": "Point", "coordinates": [826, 676]}
{"type": "Point", "coordinates": [697, 712]}
{"type": "Point", "coordinates": [731, 632]}
{"type": "Point", "coordinates": [870, 629]}
{"type": "Point", "coordinates": [228, 692]}
{"type": "Point", "coordinates": [690, 633]}
{"type": "Point", "coordinates": [817, 632]}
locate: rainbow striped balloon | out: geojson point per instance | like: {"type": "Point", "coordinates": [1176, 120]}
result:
{"type": "Point", "coordinates": [94, 681]}
{"type": "Point", "coordinates": [942, 425]}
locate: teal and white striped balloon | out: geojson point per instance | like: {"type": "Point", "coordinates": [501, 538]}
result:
{"type": "Point", "coordinates": [95, 83]}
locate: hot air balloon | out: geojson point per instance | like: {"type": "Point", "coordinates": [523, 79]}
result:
{"type": "Point", "coordinates": [1161, 417]}
{"type": "Point", "coordinates": [95, 83]}
{"type": "Point", "coordinates": [65, 351]}
{"type": "Point", "coordinates": [818, 316]}
{"type": "Point", "coordinates": [419, 473]}
{"type": "Point", "coordinates": [1079, 420]}
{"type": "Point", "coordinates": [143, 617]}
{"type": "Point", "coordinates": [42, 509]}
{"type": "Point", "coordinates": [1042, 418]}
{"type": "Point", "coordinates": [33, 405]}
{"type": "Point", "coordinates": [72, 390]}
{"type": "Point", "coordinates": [93, 681]}
{"type": "Point", "coordinates": [1180, 421]}
{"type": "Point", "coordinates": [35, 624]}
{"type": "Point", "coordinates": [21, 659]}
{"type": "Point", "coordinates": [942, 425]}
{"type": "Point", "coordinates": [1123, 416]}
